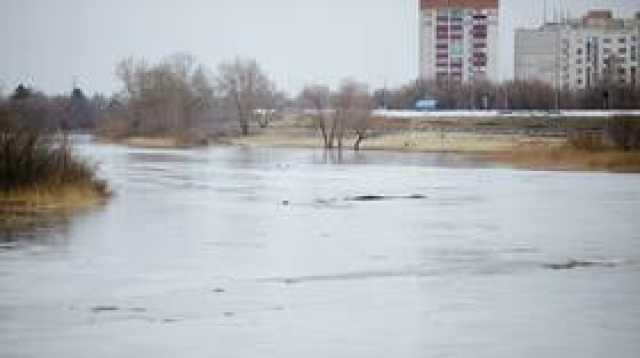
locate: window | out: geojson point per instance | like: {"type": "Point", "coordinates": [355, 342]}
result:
{"type": "Point", "coordinates": [579, 61]}
{"type": "Point", "coordinates": [633, 53]}
{"type": "Point", "coordinates": [457, 13]}
{"type": "Point", "coordinates": [622, 50]}
{"type": "Point", "coordinates": [579, 51]}
{"type": "Point", "coordinates": [622, 40]}
{"type": "Point", "coordinates": [606, 40]}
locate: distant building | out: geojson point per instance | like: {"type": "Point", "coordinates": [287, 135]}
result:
{"type": "Point", "coordinates": [580, 53]}
{"type": "Point", "coordinates": [459, 40]}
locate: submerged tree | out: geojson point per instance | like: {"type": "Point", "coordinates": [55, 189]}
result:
{"type": "Point", "coordinates": [318, 99]}
{"type": "Point", "coordinates": [353, 105]}
{"type": "Point", "coordinates": [340, 114]}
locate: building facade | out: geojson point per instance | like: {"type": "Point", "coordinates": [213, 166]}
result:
{"type": "Point", "coordinates": [580, 53]}
{"type": "Point", "coordinates": [459, 40]}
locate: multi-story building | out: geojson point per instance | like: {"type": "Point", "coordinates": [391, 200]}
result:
{"type": "Point", "coordinates": [459, 40]}
{"type": "Point", "coordinates": [580, 53]}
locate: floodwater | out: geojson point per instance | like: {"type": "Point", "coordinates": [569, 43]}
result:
{"type": "Point", "coordinates": [236, 252]}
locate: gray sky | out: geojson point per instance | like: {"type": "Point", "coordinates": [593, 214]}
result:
{"type": "Point", "coordinates": [46, 43]}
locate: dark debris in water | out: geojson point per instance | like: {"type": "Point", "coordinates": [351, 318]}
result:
{"type": "Point", "coordinates": [111, 308]}
{"type": "Point", "coordinates": [575, 264]}
{"type": "Point", "coordinates": [98, 309]}
{"type": "Point", "coordinates": [170, 320]}
{"type": "Point", "coordinates": [384, 197]}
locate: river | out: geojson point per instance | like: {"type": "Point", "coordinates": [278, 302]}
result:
{"type": "Point", "coordinates": [257, 252]}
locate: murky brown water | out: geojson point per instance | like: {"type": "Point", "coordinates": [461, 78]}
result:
{"type": "Point", "coordinates": [231, 252]}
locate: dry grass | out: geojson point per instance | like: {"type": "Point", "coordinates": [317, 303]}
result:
{"type": "Point", "coordinates": [179, 140]}
{"type": "Point", "coordinates": [21, 208]}
{"type": "Point", "coordinates": [147, 142]}
{"type": "Point", "coordinates": [412, 141]}
{"type": "Point", "coordinates": [566, 157]}
{"type": "Point", "coordinates": [445, 142]}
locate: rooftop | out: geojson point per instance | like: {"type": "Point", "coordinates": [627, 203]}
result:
{"type": "Point", "coordinates": [476, 4]}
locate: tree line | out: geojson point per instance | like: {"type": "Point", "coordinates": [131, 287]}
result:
{"type": "Point", "coordinates": [509, 95]}
{"type": "Point", "coordinates": [178, 96]}
{"type": "Point", "coordinates": [181, 97]}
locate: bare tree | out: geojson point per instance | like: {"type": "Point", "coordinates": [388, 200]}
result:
{"type": "Point", "coordinates": [318, 99]}
{"type": "Point", "coordinates": [353, 104]}
{"type": "Point", "coordinates": [172, 97]}
{"type": "Point", "coordinates": [244, 88]}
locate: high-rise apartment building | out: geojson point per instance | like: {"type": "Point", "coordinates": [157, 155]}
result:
{"type": "Point", "coordinates": [580, 53]}
{"type": "Point", "coordinates": [459, 40]}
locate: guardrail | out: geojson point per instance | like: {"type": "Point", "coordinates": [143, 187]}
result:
{"type": "Point", "coordinates": [400, 114]}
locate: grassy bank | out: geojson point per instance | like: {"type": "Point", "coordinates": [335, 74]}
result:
{"type": "Point", "coordinates": [525, 144]}
{"type": "Point", "coordinates": [403, 140]}
{"type": "Point", "coordinates": [566, 157]}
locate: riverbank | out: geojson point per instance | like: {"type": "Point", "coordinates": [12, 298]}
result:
{"type": "Point", "coordinates": [21, 207]}
{"type": "Point", "coordinates": [525, 143]}
{"type": "Point", "coordinates": [165, 142]}
{"type": "Point", "coordinates": [411, 141]}
{"type": "Point", "coordinates": [567, 158]}
{"type": "Point", "coordinates": [535, 150]}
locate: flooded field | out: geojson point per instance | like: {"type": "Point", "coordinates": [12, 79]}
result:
{"type": "Point", "coordinates": [236, 252]}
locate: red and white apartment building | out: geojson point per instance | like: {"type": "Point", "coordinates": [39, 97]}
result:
{"type": "Point", "coordinates": [459, 40]}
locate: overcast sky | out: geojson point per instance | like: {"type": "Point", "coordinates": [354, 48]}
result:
{"type": "Point", "coordinates": [46, 43]}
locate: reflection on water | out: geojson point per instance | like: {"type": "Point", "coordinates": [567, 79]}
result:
{"type": "Point", "coordinates": [22, 230]}
{"type": "Point", "coordinates": [244, 252]}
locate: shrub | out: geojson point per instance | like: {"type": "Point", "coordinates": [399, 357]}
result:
{"type": "Point", "coordinates": [34, 158]}
{"type": "Point", "coordinates": [624, 133]}
{"type": "Point", "coordinates": [30, 159]}
{"type": "Point", "coordinates": [586, 140]}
